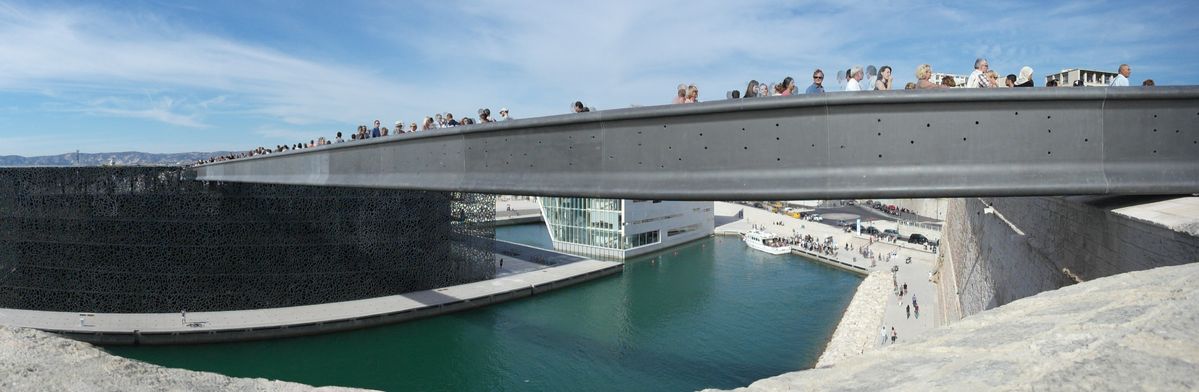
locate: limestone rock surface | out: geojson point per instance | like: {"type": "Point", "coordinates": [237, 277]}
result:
{"type": "Point", "coordinates": [32, 360]}
{"type": "Point", "coordinates": [1132, 331]}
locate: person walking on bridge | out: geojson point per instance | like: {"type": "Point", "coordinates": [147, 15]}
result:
{"type": "Point", "coordinates": [817, 86]}
{"type": "Point", "coordinates": [1121, 79]}
{"type": "Point", "coordinates": [924, 73]}
{"type": "Point", "coordinates": [1025, 77]}
{"type": "Point", "coordinates": [884, 78]}
{"type": "Point", "coordinates": [978, 78]}
{"type": "Point", "coordinates": [681, 94]}
{"type": "Point", "coordinates": [854, 79]}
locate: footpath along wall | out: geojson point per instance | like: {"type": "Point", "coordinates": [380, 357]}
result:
{"type": "Point", "coordinates": [998, 250]}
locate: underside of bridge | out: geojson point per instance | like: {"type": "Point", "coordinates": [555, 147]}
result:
{"type": "Point", "coordinates": [946, 143]}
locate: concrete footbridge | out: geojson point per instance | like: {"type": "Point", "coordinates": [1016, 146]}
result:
{"type": "Point", "coordinates": [943, 143]}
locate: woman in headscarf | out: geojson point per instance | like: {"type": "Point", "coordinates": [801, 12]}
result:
{"type": "Point", "coordinates": [1025, 77]}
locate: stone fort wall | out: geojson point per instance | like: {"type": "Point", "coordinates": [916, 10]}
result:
{"type": "Point", "coordinates": [987, 262]}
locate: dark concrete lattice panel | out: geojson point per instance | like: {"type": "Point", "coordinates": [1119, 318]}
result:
{"type": "Point", "coordinates": [144, 239]}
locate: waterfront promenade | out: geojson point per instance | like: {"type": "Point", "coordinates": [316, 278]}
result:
{"type": "Point", "coordinates": [526, 271]}
{"type": "Point", "coordinates": [915, 274]}
{"type": "Point", "coordinates": [516, 210]}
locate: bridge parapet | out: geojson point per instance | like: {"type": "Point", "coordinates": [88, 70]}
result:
{"type": "Point", "coordinates": [995, 142]}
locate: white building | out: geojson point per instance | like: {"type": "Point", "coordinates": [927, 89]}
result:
{"type": "Point", "coordinates": [620, 229]}
{"type": "Point", "coordinates": [1090, 78]}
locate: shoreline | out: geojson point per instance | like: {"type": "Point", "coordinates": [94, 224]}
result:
{"type": "Point", "coordinates": [857, 332]}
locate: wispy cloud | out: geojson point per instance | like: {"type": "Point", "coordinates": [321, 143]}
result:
{"type": "Point", "coordinates": [89, 50]}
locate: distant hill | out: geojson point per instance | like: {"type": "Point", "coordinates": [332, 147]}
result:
{"type": "Point", "coordinates": [130, 158]}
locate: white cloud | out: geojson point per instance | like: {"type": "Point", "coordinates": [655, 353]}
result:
{"type": "Point", "coordinates": [89, 51]}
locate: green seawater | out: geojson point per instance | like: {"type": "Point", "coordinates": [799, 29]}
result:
{"type": "Point", "coordinates": [711, 313]}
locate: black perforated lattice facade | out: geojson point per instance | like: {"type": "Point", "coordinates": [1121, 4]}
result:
{"type": "Point", "coordinates": [144, 239]}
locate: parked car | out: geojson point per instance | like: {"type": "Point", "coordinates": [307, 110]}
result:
{"type": "Point", "coordinates": [917, 238]}
{"type": "Point", "coordinates": [891, 233]}
{"type": "Point", "coordinates": [870, 230]}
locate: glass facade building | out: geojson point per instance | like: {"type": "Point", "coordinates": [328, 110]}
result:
{"type": "Point", "coordinates": [617, 229]}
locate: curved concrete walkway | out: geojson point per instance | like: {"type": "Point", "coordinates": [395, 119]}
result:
{"type": "Point", "coordinates": [207, 327]}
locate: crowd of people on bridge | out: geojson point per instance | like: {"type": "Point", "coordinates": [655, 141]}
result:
{"type": "Point", "coordinates": [858, 79]}
{"type": "Point", "coordinates": [855, 78]}
{"type": "Point", "coordinates": [364, 132]}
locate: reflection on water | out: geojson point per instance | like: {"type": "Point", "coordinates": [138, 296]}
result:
{"type": "Point", "coordinates": [707, 314]}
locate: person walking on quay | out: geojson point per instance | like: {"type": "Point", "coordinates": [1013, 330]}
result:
{"type": "Point", "coordinates": [894, 335]}
{"type": "Point", "coordinates": [882, 333]}
{"type": "Point", "coordinates": [909, 309]}
{"type": "Point", "coordinates": [917, 311]}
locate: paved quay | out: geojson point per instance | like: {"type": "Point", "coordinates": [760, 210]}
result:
{"type": "Point", "coordinates": [895, 312]}
{"type": "Point", "coordinates": [516, 210]}
{"type": "Point", "coordinates": [519, 278]}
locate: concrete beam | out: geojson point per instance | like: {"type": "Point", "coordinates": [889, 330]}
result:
{"type": "Point", "coordinates": [944, 143]}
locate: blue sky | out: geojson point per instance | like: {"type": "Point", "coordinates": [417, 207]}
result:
{"type": "Point", "coordinates": [161, 76]}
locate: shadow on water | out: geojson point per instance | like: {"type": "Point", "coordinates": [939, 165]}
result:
{"type": "Point", "coordinates": [707, 314]}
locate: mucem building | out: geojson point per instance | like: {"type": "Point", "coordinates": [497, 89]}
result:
{"type": "Point", "coordinates": [148, 240]}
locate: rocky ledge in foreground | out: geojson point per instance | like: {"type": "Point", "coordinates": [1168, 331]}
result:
{"type": "Point", "coordinates": [32, 360]}
{"type": "Point", "coordinates": [1133, 331]}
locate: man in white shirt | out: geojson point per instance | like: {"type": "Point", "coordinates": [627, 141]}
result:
{"type": "Point", "coordinates": [1121, 80]}
{"type": "Point", "coordinates": [855, 78]}
{"type": "Point", "coordinates": [978, 78]}
{"type": "Point", "coordinates": [504, 114]}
